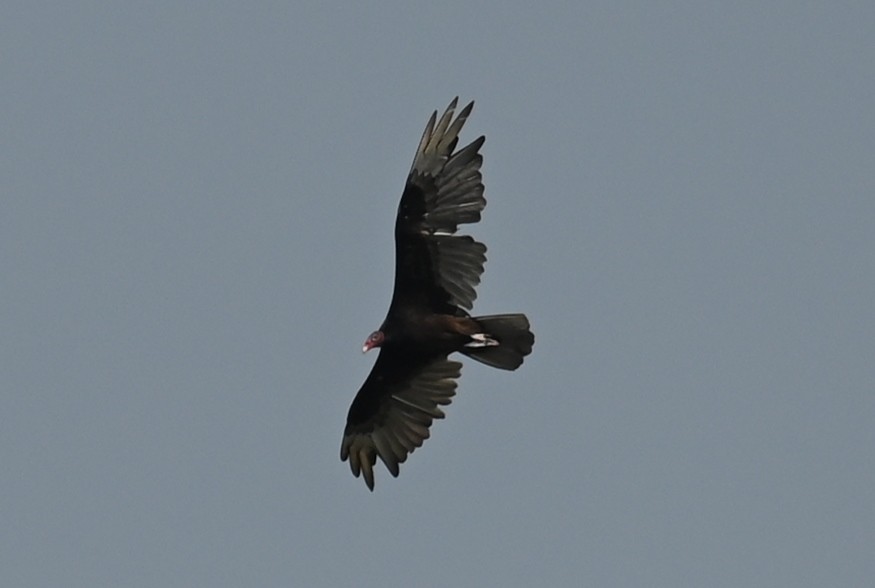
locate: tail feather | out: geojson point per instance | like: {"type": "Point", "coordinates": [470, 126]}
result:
{"type": "Point", "coordinates": [514, 338]}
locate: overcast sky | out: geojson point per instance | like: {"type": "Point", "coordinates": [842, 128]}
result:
{"type": "Point", "coordinates": [196, 211]}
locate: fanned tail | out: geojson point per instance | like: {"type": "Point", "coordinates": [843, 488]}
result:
{"type": "Point", "coordinates": [504, 341]}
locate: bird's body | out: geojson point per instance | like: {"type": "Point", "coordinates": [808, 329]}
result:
{"type": "Point", "coordinates": [436, 272]}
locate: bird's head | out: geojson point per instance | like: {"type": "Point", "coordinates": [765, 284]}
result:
{"type": "Point", "coordinates": [375, 339]}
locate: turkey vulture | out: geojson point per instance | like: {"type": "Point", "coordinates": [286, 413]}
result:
{"type": "Point", "coordinates": [435, 275]}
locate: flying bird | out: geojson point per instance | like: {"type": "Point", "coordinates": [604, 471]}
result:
{"type": "Point", "coordinates": [436, 272]}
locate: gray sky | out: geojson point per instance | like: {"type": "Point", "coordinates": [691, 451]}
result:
{"type": "Point", "coordinates": [196, 237]}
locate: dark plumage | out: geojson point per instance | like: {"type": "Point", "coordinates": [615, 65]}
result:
{"type": "Point", "coordinates": [436, 273]}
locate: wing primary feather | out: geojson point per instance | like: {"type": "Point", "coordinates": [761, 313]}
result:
{"type": "Point", "coordinates": [367, 460]}
{"type": "Point", "coordinates": [440, 131]}
{"type": "Point", "coordinates": [384, 450]}
{"type": "Point", "coordinates": [398, 448]}
{"type": "Point", "coordinates": [452, 132]}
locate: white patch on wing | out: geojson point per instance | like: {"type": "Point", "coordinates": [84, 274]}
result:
{"type": "Point", "coordinates": [481, 340]}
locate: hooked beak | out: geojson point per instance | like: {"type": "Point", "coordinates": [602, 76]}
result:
{"type": "Point", "coordinates": [375, 339]}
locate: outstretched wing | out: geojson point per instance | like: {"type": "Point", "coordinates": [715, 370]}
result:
{"type": "Point", "coordinates": [392, 412]}
{"type": "Point", "coordinates": [433, 268]}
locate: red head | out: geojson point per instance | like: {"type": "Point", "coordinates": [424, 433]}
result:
{"type": "Point", "coordinates": [375, 339]}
